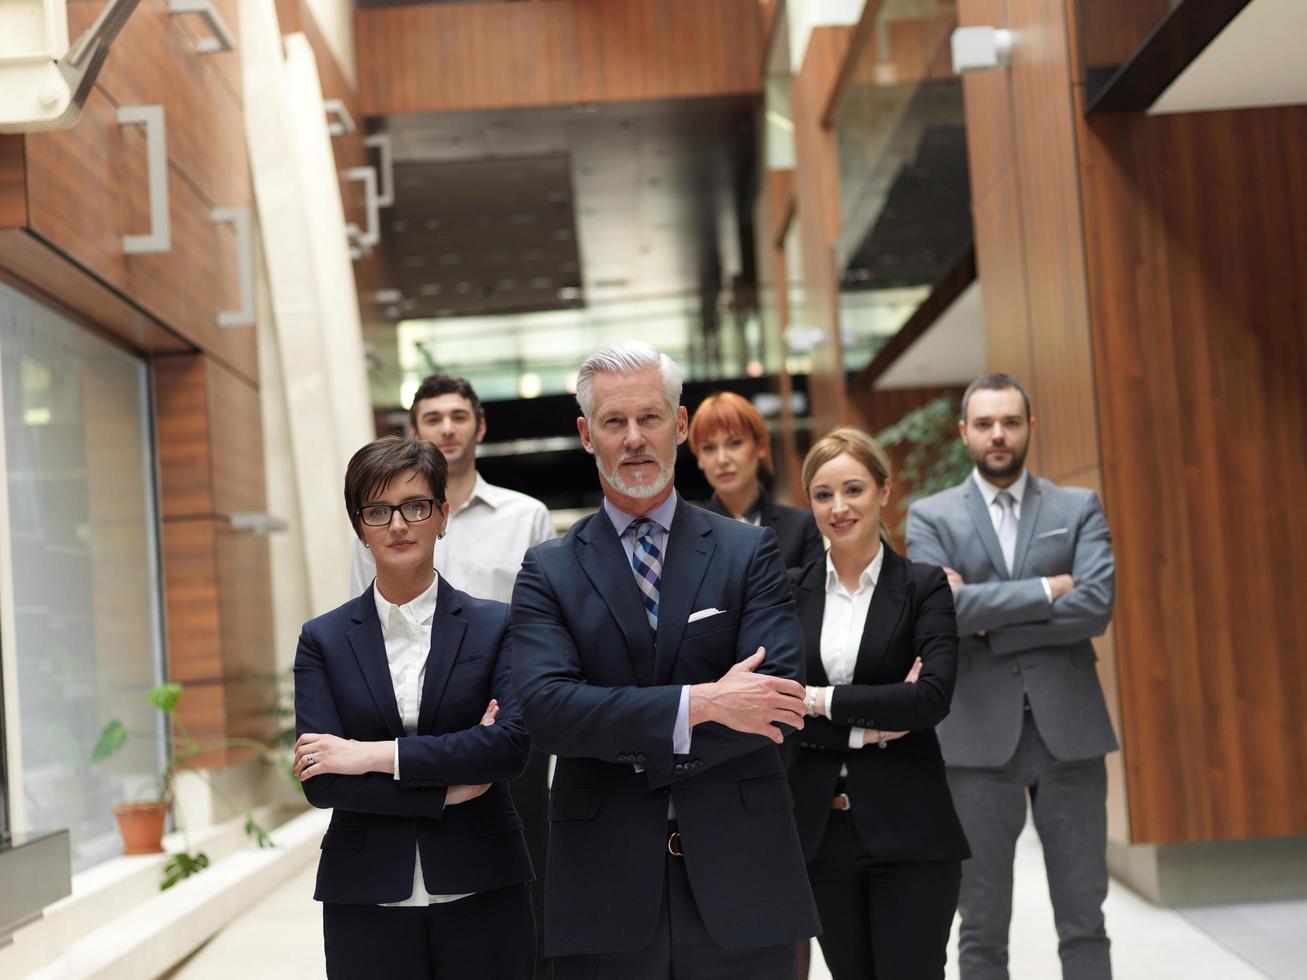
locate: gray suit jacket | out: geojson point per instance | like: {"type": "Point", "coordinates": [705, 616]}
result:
{"type": "Point", "coordinates": [1028, 644]}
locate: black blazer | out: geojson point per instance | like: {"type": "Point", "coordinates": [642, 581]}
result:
{"type": "Point", "coordinates": [796, 531]}
{"type": "Point", "coordinates": [901, 804]}
{"type": "Point", "coordinates": [343, 687]}
{"type": "Point", "coordinates": [601, 694]}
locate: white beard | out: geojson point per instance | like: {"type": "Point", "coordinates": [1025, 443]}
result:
{"type": "Point", "coordinates": [640, 491]}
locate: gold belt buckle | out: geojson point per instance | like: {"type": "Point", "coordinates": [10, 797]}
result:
{"type": "Point", "coordinates": [674, 844]}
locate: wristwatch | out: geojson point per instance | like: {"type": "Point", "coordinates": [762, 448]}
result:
{"type": "Point", "coordinates": [809, 700]}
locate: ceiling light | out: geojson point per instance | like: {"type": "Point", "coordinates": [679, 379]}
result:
{"type": "Point", "coordinates": [528, 385]}
{"type": "Point", "coordinates": [569, 293]}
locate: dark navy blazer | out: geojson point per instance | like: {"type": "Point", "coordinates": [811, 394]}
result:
{"type": "Point", "coordinates": [602, 695]}
{"type": "Point", "coordinates": [343, 687]}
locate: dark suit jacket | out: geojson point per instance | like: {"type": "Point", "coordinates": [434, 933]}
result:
{"type": "Point", "coordinates": [901, 804]}
{"type": "Point", "coordinates": [343, 687]}
{"type": "Point", "coordinates": [796, 531]}
{"type": "Point", "coordinates": [601, 695]}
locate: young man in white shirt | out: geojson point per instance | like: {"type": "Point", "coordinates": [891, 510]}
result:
{"type": "Point", "coordinates": [490, 528]}
{"type": "Point", "coordinates": [489, 531]}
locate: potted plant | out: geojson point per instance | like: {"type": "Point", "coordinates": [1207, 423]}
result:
{"type": "Point", "coordinates": [141, 821]}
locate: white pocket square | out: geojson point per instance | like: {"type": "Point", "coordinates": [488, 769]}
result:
{"type": "Point", "coordinates": [1052, 533]}
{"type": "Point", "coordinates": [702, 614]}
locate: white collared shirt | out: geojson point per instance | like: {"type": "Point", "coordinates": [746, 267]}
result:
{"type": "Point", "coordinates": [484, 543]}
{"type": "Point", "coordinates": [991, 492]}
{"type": "Point", "coordinates": [406, 630]}
{"type": "Point", "coordinates": [1018, 490]}
{"type": "Point", "coordinates": [842, 623]}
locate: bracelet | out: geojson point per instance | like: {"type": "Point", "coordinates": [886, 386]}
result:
{"type": "Point", "coordinates": [810, 701]}
{"type": "Point", "coordinates": [880, 738]}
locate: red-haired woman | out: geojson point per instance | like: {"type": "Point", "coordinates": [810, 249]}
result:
{"type": "Point", "coordinates": [729, 438]}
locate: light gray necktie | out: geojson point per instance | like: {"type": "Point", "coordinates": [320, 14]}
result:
{"type": "Point", "coordinates": [1007, 529]}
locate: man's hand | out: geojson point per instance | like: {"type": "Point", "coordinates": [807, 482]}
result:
{"type": "Point", "coordinates": [913, 672]}
{"type": "Point", "coordinates": [317, 754]}
{"type": "Point", "coordinates": [954, 579]}
{"type": "Point", "coordinates": [749, 702]}
{"type": "Point", "coordinates": [491, 712]}
{"type": "Point", "coordinates": [461, 794]}
{"type": "Point", "coordinates": [1060, 585]}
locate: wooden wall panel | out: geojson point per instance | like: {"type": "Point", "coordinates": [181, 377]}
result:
{"type": "Point", "coordinates": [236, 441]}
{"type": "Point", "coordinates": [36, 267]}
{"type": "Point", "coordinates": [191, 592]}
{"type": "Point", "coordinates": [817, 183]}
{"type": "Point", "coordinates": [181, 400]}
{"type": "Point", "coordinates": [1197, 260]}
{"type": "Point", "coordinates": [13, 183]}
{"type": "Point", "coordinates": [451, 57]}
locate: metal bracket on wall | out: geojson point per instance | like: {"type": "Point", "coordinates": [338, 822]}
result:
{"type": "Point", "coordinates": [386, 167]}
{"type": "Point", "coordinates": [339, 121]}
{"type": "Point", "coordinates": [44, 83]}
{"type": "Point", "coordinates": [239, 218]}
{"type": "Point", "coordinates": [156, 147]}
{"type": "Point", "coordinates": [365, 240]}
{"type": "Point", "coordinates": [221, 39]}
{"type": "Point", "coordinates": [254, 522]}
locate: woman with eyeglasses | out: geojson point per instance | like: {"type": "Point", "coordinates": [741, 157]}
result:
{"type": "Point", "coordinates": [409, 730]}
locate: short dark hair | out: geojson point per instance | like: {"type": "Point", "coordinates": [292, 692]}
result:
{"type": "Point", "coordinates": [994, 382]}
{"type": "Point", "coordinates": [435, 385]}
{"type": "Point", "coordinates": [373, 467]}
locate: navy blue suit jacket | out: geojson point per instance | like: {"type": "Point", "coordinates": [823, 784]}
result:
{"type": "Point", "coordinates": [343, 687]}
{"type": "Point", "coordinates": [598, 692]}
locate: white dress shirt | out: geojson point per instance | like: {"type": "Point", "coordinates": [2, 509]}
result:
{"type": "Point", "coordinates": [1018, 492]}
{"type": "Point", "coordinates": [484, 543]}
{"type": "Point", "coordinates": [843, 620]}
{"type": "Point", "coordinates": [406, 630]}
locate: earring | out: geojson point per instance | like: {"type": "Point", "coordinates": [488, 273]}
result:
{"type": "Point", "coordinates": [440, 536]}
{"type": "Point", "coordinates": [366, 545]}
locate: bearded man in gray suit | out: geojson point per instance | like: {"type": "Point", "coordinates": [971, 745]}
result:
{"type": "Point", "coordinates": [1032, 573]}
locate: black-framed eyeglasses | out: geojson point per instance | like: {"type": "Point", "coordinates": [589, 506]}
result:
{"type": "Point", "coordinates": [380, 515]}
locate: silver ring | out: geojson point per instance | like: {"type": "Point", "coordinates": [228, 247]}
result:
{"type": "Point", "coordinates": [309, 758]}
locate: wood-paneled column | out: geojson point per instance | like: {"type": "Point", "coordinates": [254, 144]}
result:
{"type": "Point", "coordinates": [216, 578]}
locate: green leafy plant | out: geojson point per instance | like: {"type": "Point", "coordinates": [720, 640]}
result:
{"type": "Point", "coordinates": [183, 748]}
{"type": "Point", "coordinates": [936, 459]}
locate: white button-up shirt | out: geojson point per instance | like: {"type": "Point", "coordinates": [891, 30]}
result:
{"type": "Point", "coordinates": [843, 620]}
{"type": "Point", "coordinates": [484, 543]}
{"type": "Point", "coordinates": [406, 630]}
{"type": "Point", "coordinates": [1018, 490]}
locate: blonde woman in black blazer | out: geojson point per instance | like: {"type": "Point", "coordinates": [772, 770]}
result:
{"type": "Point", "coordinates": [883, 844]}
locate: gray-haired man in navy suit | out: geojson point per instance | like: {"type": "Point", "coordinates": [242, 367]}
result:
{"type": "Point", "coordinates": [638, 656]}
{"type": "Point", "coordinates": [1033, 580]}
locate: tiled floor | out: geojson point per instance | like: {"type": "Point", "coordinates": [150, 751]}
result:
{"type": "Point", "coordinates": [281, 937]}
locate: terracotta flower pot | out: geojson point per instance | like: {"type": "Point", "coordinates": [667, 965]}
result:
{"type": "Point", "coordinates": [141, 826]}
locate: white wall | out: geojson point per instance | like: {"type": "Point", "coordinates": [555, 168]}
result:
{"type": "Point", "coordinates": [335, 18]}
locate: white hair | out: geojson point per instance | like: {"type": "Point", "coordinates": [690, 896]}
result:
{"type": "Point", "coordinates": [627, 357]}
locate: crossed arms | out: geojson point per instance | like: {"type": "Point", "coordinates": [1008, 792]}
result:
{"type": "Point", "coordinates": [756, 701]}
{"type": "Point", "coordinates": [1016, 615]}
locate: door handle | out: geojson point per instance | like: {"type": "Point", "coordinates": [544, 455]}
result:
{"type": "Point", "coordinates": [220, 38]}
{"type": "Point", "coordinates": [156, 147]}
{"type": "Point", "coordinates": [239, 218]}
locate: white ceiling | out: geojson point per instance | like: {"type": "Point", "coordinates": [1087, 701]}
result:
{"type": "Point", "coordinates": [1258, 60]}
{"type": "Point", "coordinates": [951, 351]}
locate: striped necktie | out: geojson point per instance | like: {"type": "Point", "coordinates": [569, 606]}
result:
{"type": "Point", "coordinates": [647, 562]}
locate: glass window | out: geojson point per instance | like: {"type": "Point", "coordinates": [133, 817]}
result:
{"type": "Point", "coordinates": [78, 470]}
